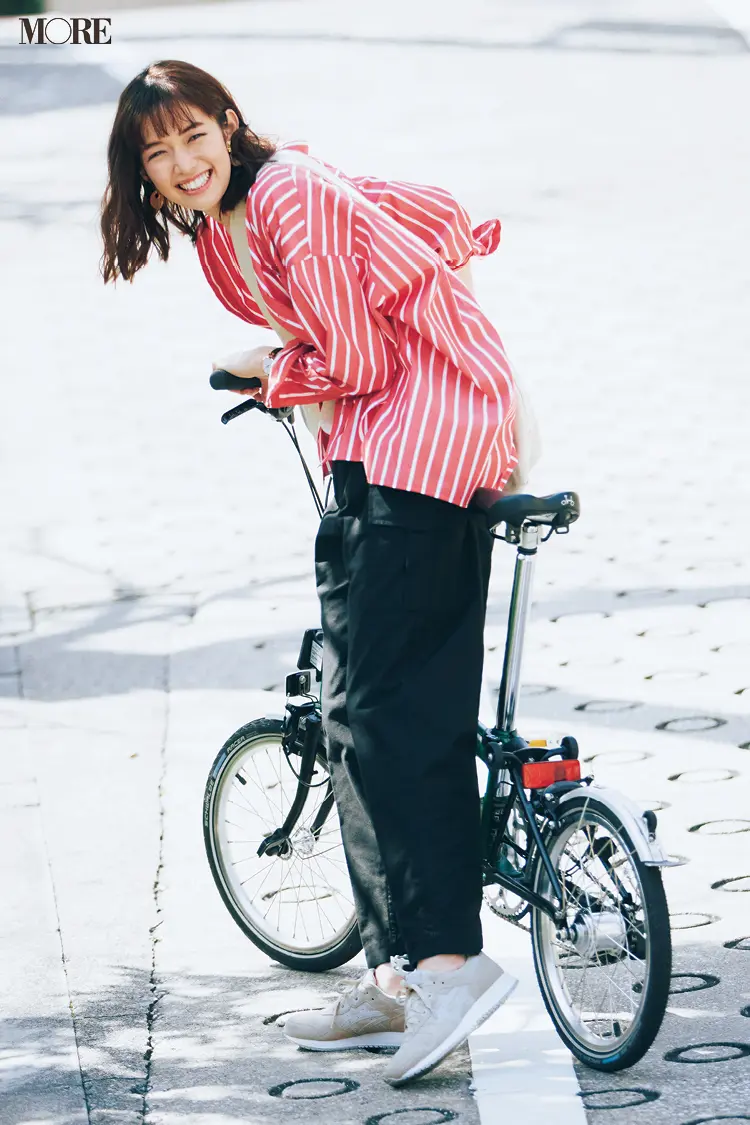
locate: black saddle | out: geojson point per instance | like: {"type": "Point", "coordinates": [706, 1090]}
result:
{"type": "Point", "coordinates": [557, 511]}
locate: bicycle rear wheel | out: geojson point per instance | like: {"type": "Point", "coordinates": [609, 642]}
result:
{"type": "Point", "coordinates": [605, 975]}
{"type": "Point", "coordinates": [297, 908]}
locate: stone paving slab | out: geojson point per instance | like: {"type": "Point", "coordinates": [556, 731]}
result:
{"type": "Point", "coordinates": [39, 1063]}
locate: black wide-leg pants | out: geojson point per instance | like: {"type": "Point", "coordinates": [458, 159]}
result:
{"type": "Point", "coordinates": [402, 580]}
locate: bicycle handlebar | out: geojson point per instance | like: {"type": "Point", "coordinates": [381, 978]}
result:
{"type": "Point", "coordinates": [222, 380]}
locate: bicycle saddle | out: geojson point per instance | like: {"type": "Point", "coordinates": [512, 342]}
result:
{"type": "Point", "coordinates": [558, 510]}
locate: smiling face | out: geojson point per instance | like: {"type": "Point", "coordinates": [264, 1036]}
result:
{"type": "Point", "coordinates": [190, 165]}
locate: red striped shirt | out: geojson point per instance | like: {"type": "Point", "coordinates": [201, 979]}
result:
{"type": "Point", "coordinates": [381, 325]}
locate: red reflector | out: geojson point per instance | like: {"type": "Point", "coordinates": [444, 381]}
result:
{"type": "Point", "coordinates": [538, 775]}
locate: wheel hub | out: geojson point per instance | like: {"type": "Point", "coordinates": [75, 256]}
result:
{"type": "Point", "coordinates": [303, 842]}
{"type": "Point", "coordinates": [598, 933]}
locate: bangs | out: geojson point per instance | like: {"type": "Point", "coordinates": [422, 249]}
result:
{"type": "Point", "coordinates": [165, 114]}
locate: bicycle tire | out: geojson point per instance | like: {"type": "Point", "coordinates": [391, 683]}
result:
{"type": "Point", "coordinates": [653, 991]}
{"type": "Point", "coordinates": [345, 943]}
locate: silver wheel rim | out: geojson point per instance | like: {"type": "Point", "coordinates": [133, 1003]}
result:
{"type": "Point", "coordinates": [301, 903]}
{"type": "Point", "coordinates": [598, 981]}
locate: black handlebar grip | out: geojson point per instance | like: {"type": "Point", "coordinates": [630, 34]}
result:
{"type": "Point", "coordinates": [224, 381]}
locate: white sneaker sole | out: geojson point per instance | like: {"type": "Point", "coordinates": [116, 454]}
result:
{"type": "Point", "coordinates": [373, 1039]}
{"type": "Point", "coordinates": [480, 1010]}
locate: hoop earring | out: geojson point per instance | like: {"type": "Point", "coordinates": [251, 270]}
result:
{"type": "Point", "coordinates": [156, 200]}
{"type": "Point", "coordinates": [232, 159]}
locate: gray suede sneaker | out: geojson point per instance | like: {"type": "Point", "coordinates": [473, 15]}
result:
{"type": "Point", "coordinates": [364, 1016]}
{"type": "Point", "coordinates": [442, 1010]}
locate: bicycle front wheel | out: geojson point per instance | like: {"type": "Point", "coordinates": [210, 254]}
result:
{"type": "Point", "coordinates": [604, 974]}
{"type": "Point", "coordinates": [296, 907]}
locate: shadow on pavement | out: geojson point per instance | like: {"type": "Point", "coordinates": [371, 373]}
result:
{"type": "Point", "coordinates": [70, 663]}
{"type": "Point", "coordinates": [600, 36]}
{"type": "Point", "coordinates": [209, 1046]}
{"type": "Point", "coordinates": [36, 85]}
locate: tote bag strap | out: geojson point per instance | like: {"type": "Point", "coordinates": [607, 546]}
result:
{"type": "Point", "coordinates": [302, 160]}
{"type": "Point", "coordinates": [239, 234]}
{"type": "Point", "coordinates": [316, 416]}
{"type": "Point", "coordinates": [245, 260]}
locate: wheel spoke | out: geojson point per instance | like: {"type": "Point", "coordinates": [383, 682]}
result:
{"type": "Point", "coordinates": [311, 893]}
{"type": "Point", "coordinates": [593, 972]}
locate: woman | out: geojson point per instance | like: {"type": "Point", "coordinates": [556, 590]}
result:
{"type": "Point", "coordinates": [384, 329]}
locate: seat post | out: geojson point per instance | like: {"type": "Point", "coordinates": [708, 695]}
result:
{"type": "Point", "coordinates": [520, 601]}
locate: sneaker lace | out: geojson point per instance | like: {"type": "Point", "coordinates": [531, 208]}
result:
{"type": "Point", "coordinates": [418, 1006]}
{"type": "Point", "coordinates": [347, 990]}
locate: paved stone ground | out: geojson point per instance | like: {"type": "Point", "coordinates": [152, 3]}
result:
{"type": "Point", "coordinates": [155, 575]}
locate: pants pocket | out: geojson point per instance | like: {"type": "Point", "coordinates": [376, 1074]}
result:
{"type": "Point", "coordinates": [424, 540]}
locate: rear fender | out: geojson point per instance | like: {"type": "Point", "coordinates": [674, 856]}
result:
{"type": "Point", "coordinates": [650, 851]}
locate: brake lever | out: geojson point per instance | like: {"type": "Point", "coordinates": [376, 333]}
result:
{"type": "Point", "coordinates": [236, 411]}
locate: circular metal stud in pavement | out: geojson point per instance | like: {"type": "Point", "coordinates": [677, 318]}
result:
{"type": "Point", "coordinates": [692, 982]}
{"type": "Point", "coordinates": [309, 1089]}
{"type": "Point", "coordinates": [742, 943]}
{"type": "Point", "coordinates": [700, 1053]}
{"type": "Point", "coordinates": [619, 757]}
{"type": "Point", "coordinates": [618, 1099]}
{"type": "Point", "coordinates": [738, 884]}
{"type": "Point", "coordinates": [731, 1118]}
{"type": "Point", "coordinates": [691, 724]}
{"type": "Point", "coordinates": [415, 1116]}
{"type": "Point", "coordinates": [721, 827]}
{"type": "Point", "coordinates": [668, 632]}
{"type": "Point", "coordinates": [676, 675]}
{"type": "Point", "coordinates": [607, 706]}
{"type": "Point", "coordinates": [691, 920]}
{"type": "Point", "coordinates": [703, 777]}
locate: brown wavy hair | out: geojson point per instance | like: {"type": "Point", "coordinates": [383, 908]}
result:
{"type": "Point", "coordinates": [160, 95]}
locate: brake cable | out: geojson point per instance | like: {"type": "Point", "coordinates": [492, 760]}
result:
{"type": "Point", "coordinates": [285, 415]}
{"type": "Point", "coordinates": [288, 424]}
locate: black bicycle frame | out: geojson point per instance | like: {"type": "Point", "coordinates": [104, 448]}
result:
{"type": "Point", "coordinates": [503, 749]}
{"type": "Point", "coordinates": [496, 813]}
{"type": "Point", "coordinates": [500, 748]}
{"type": "Point", "coordinates": [277, 843]}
